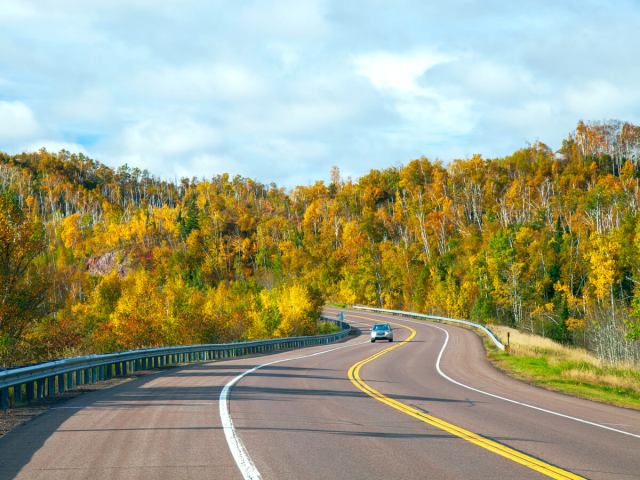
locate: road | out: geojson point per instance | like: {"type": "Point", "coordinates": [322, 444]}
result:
{"type": "Point", "coordinates": [327, 412]}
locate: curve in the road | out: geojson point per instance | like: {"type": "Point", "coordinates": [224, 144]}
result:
{"type": "Point", "coordinates": [499, 397]}
{"type": "Point", "coordinates": [238, 451]}
{"type": "Point", "coordinates": [495, 447]}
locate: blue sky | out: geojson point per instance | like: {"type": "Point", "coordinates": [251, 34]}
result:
{"type": "Point", "coordinates": [281, 91]}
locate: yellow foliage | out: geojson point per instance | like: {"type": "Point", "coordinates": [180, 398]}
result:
{"type": "Point", "coordinates": [296, 310]}
{"type": "Point", "coordinates": [575, 323]}
{"type": "Point", "coordinates": [70, 232]}
{"type": "Point", "coordinates": [602, 260]}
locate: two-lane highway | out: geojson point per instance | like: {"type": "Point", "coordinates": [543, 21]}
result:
{"type": "Point", "coordinates": [408, 409]}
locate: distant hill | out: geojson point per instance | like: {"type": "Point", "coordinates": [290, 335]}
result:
{"type": "Point", "coordinates": [112, 259]}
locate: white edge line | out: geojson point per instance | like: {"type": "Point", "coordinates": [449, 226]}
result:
{"type": "Point", "coordinates": [540, 409]}
{"type": "Point", "coordinates": [238, 450]}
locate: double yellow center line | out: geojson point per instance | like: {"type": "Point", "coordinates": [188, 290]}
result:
{"type": "Point", "coordinates": [495, 447]}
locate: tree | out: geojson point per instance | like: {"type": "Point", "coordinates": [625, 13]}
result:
{"type": "Point", "coordinates": [23, 291]}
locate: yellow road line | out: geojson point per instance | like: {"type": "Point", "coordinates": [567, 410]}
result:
{"type": "Point", "coordinates": [495, 447]}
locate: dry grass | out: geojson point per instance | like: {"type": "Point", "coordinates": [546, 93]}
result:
{"type": "Point", "coordinates": [589, 376]}
{"type": "Point", "coordinates": [571, 370]}
{"type": "Point", "coordinates": [527, 344]}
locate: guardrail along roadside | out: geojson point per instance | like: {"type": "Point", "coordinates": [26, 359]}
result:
{"type": "Point", "coordinates": [26, 384]}
{"type": "Point", "coordinates": [436, 318]}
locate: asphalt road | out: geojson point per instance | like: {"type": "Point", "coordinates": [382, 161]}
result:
{"type": "Point", "coordinates": [304, 418]}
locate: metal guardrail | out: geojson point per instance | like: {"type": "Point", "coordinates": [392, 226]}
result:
{"type": "Point", "coordinates": [53, 378]}
{"type": "Point", "coordinates": [489, 333]}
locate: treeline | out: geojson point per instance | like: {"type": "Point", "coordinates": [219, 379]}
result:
{"type": "Point", "coordinates": [541, 240]}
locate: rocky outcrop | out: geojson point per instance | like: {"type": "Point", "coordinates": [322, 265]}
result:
{"type": "Point", "coordinates": [116, 260]}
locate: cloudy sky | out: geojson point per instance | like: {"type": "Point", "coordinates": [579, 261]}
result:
{"type": "Point", "coordinates": [282, 90]}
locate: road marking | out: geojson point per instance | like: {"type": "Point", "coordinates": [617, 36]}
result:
{"type": "Point", "coordinates": [238, 450]}
{"type": "Point", "coordinates": [523, 404]}
{"type": "Point", "coordinates": [533, 407]}
{"type": "Point", "coordinates": [495, 447]}
{"type": "Point", "coordinates": [540, 409]}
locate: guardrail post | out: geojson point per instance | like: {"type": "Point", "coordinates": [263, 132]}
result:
{"type": "Point", "coordinates": [17, 393]}
{"type": "Point", "coordinates": [51, 387]}
{"type": "Point", "coordinates": [60, 380]}
{"type": "Point", "coordinates": [4, 398]}
{"type": "Point", "coordinates": [40, 384]}
{"type": "Point", "coordinates": [31, 393]}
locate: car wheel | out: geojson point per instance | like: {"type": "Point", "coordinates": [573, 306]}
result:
{"type": "Point", "coordinates": [373, 340]}
{"type": "Point", "coordinates": [391, 339]}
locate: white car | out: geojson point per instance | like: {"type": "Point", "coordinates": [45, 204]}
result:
{"type": "Point", "coordinates": [381, 331]}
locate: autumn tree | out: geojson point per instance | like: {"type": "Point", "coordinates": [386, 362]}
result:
{"type": "Point", "coordinates": [23, 290]}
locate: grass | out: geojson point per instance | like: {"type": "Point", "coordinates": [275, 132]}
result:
{"type": "Point", "coordinates": [327, 327]}
{"type": "Point", "coordinates": [570, 370]}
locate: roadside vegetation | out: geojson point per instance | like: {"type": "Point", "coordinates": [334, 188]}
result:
{"type": "Point", "coordinates": [96, 259]}
{"type": "Point", "coordinates": [568, 369]}
{"type": "Point", "coordinates": [327, 327]}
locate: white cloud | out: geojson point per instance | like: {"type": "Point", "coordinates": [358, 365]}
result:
{"type": "Point", "coordinates": [168, 137]}
{"type": "Point", "coordinates": [428, 113]}
{"type": "Point", "coordinates": [398, 74]}
{"type": "Point", "coordinates": [597, 99]}
{"type": "Point", "coordinates": [162, 146]}
{"type": "Point", "coordinates": [91, 105]}
{"type": "Point", "coordinates": [17, 121]}
{"type": "Point", "coordinates": [54, 146]}
{"type": "Point", "coordinates": [288, 18]}
{"type": "Point", "coordinates": [200, 82]}
{"type": "Point", "coordinates": [208, 165]}
{"type": "Point", "coordinates": [282, 90]}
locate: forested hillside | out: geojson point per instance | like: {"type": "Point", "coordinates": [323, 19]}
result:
{"type": "Point", "coordinates": [94, 259]}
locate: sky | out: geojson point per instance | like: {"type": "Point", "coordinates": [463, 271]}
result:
{"type": "Point", "coordinates": [280, 91]}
